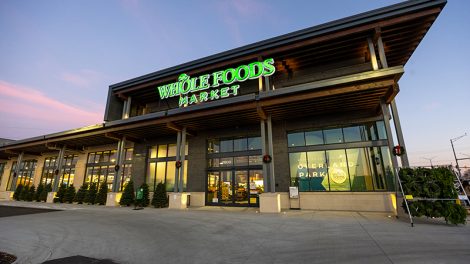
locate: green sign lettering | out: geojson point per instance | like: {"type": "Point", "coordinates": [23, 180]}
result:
{"type": "Point", "coordinates": [190, 90]}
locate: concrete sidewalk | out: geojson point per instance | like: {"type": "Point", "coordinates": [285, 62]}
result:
{"type": "Point", "coordinates": [228, 235]}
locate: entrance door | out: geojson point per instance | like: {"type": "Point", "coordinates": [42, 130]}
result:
{"type": "Point", "coordinates": [234, 187]}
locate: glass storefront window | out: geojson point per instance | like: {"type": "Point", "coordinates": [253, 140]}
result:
{"type": "Point", "coordinates": [352, 134]}
{"type": "Point", "coordinates": [129, 153]}
{"type": "Point", "coordinates": [317, 171]}
{"type": "Point", "coordinates": [226, 162]}
{"type": "Point", "coordinates": [299, 170]}
{"type": "Point", "coordinates": [240, 144]}
{"type": "Point", "coordinates": [171, 150]}
{"type": "Point", "coordinates": [333, 136]}
{"type": "Point", "coordinates": [226, 145]}
{"type": "Point", "coordinates": [338, 170]}
{"type": "Point", "coordinates": [152, 152]}
{"type": "Point", "coordinates": [162, 151]}
{"type": "Point", "coordinates": [296, 139]}
{"type": "Point", "coordinates": [213, 146]}
{"type": "Point", "coordinates": [241, 161]}
{"type": "Point", "coordinates": [359, 170]}
{"type": "Point", "coordinates": [254, 143]}
{"type": "Point", "coordinates": [314, 138]}
{"type": "Point", "coordinates": [382, 133]}
{"type": "Point", "coordinates": [255, 160]}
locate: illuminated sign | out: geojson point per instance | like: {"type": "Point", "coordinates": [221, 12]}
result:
{"type": "Point", "coordinates": [193, 90]}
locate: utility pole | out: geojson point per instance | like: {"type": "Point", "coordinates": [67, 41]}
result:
{"type": "Point", "coordinates": [430, 161]}
{"type": "Point", "coordinates": [455, 156]}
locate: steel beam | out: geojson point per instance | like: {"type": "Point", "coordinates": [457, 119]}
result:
{"type": "Point", "coordinates": [178, 147]}
{"type": "Point", "coordinates": [183, 156]}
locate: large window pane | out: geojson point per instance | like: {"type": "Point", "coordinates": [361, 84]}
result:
{"type": "Point", "coordinates": [388, 167]}
{"type": "Point", "coordinates": [359, 170]}
{"type": "Point", "coordinates": [240, 144]}
{"type": "Point", "coordinates": [171, 150]}
{"type": "Point", "coordinates": [254, 143]}
{"type": "Point", "coordinates": [226, 145]}
{"type": "Point", "coordinates": [299, 171]}
{"type": "Point", "coordinates": [241, 161]}
{"type": "Point", "coordinates": [170, 176]}
{"type": "Point", "coordinates": [381, 130]}
{"type": "Point", "coordinates": [162, 151]}
{"type": "Point", "coordinates": [161, 172]}
{"type": "Point", "coordinates": [352, 134]}
{"type": "Point", "coordinates": [152, 152]}
{"type": "Point", "coordinates": [226, 162]}
{"type": "Point", "coordinates": [213, 146]}
{"type": "Point", "coordinates": [151, 175]}
{"type": "Point", "coordinates": [317, 171]}
{"type": "Point", "coordinates": [314, 137]}
{"type": "Point", "coordinates": [255, 160]}
{"type": "Point", "coordinates": [338, 170]}
{"type": "Point", "coordinates": [296, 139]}
{"type": "Point", "coordinates": [333, 136]}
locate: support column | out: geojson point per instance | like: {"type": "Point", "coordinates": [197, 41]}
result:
{"type": "Point", "coordinates": [178, 148]}
{"type": "Point", "coordinates": [272, 179]}
{"type": "Point", "coordinates": [263, 152]}
{"type": "Point", "coordinates": [401, 141]}
{"type": "Point", "coordinates": [386, 117]}
{"type": "Point", "coordinates": [119, 161]}
{"type": "Point", "coordinates": [396, 119]}
{"type": "Point", "coordinates": [183, 156]}
{"type": "Point", "coordinates": [373, 57]}
{"type": "Point", "coordinates": [126, 109]}
{"type": "Point", "coordinates": [58, 170]}
{"type": "Point", "coordinates": [17, 171]}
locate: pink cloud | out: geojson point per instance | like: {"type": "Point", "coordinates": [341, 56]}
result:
{"type": "Point", "coordinates": [83, 78]}
{"type": "Point", "coordinates": [25, 103]}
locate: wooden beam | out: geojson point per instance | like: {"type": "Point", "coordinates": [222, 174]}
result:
{"type": "Point", "coordinates": [262, 114]}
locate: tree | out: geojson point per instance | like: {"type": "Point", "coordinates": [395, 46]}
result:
{"type": "Point", "coordinates": [31, 193]}
{"type": "Point", "coordinates": [61, 194]}
{"type": "Point", "coordinates": [45, 191]}
{"type": "Point", "coordinates": [17, 193]}
{"type": "Point", "coordinates": [146, 196]}
{"type": "Point", "coordinates": [102, 194]}
{"type": "Point", "coordinates": [128, 196]}
{"type": "Point", "coordinates": [70, 194]}
{"type": "Point", "coordinates": [37, 195]}
{"type": "Point", "coordinates": [159, 199]}
{"type": "Point", "coordinates": [91, 194]}
{"type": "Point", "coordinates": [24, 193]}
{"type": "Point", "coordinates": [81, 194]}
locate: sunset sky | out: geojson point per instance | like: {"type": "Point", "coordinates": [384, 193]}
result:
{"type": "Point", "coordinates": [57, 59]}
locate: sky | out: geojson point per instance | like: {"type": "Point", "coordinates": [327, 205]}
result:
{"type": "Point", "coordinates": [58, 57]}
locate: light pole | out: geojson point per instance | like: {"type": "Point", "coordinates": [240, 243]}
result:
{"type": "Point", "coordinates": [452, 140]}
{"type": "Point", "coordinates": [430, 161]}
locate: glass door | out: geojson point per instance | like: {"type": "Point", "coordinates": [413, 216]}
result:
{"type": "Point", "coordinates": [234, 187]}
{"type": "Point", "coordinates": [241, 187]}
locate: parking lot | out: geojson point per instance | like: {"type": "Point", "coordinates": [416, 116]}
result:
{"type": "Point", "coordinates": [227, 235]}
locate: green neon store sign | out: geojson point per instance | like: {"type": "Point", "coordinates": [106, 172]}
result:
{"type": "Point", "coordinates": [220, 84]}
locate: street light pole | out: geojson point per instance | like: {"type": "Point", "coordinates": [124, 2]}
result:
{"type": "Point", "coordinates": [455, 156]}
{"type": "Point", "coordinates": [430, 161]}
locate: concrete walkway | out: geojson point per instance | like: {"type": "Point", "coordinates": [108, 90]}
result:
{"type": "Point", "coordinates": [228, 235]}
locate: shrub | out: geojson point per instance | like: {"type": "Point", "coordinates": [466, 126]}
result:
{"type": "Point", "coordinates": [31, 193]}
{"type": "Point", "coordinates": [91, 194]}
{"type": "Point", "coordinates": [61, 194]}
{"type": "Point", "coordinates": [81, 194]}
{"type": "Point", "coordinates": [128, 196]}
{"type": "Point", "coordinates": [102, 194]}
{"type": "Point", "coordinates": [70, 194]}
{"type": "Point", "coordinates": [17, 193]}
{"type": "Point", "coordinates": [24, 193]}
{"type": "Point", "coordinates": [45, 191]}
{"type": "Point", "coordinates": [146, 197]}
{"type": "Point", "coordinates": [159, 199]}
{"type": "Point", "coordinates": [437, 183]}
{"type": "Point", "coordinates": [37, 195]}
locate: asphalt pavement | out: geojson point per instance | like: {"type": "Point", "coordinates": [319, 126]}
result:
{"type": "Point", "coordinates": [227, 235]}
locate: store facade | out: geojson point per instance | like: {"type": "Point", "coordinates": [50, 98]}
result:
{"type": "Point", "coordinates": [304, 120]}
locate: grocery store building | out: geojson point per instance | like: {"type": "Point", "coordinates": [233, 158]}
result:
{"type": "Point", "coordinates": [304, 120]}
